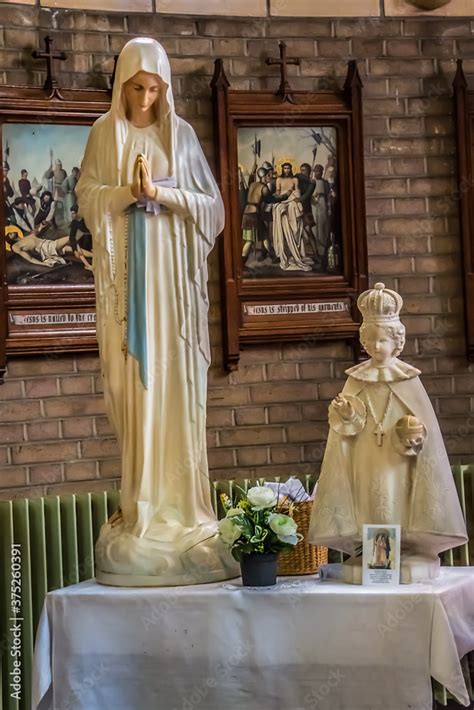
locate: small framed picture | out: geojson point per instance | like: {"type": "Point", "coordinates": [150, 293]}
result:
{"type": "Point", "coordinates": [381, 554]}
{"type": "Point", "coordinates": [294, 248]}
{"type": "Point", "coordinates": [47, 300]}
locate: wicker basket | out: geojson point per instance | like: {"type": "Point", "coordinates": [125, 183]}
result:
{"type": "Point", "coordinates": [304, 558]}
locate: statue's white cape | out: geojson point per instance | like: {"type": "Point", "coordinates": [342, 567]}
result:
{"type": "Point", "coordinates": [434, 520]}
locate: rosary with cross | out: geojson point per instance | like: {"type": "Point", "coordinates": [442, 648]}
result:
{"type": "Point", "coordinates": [379, 429]}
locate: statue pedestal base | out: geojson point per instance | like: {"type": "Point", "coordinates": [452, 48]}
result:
{"type": "Point", "coordinates": [414, 569]}
{"type": "Point", "coordinates": [198, 557]}
{"type": "Point", "coordinates": [137, 580]}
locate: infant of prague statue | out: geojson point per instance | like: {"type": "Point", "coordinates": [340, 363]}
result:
{"type": "Point", "coordinates": [385, 461]}
{"type": "Point", "coordinates": [149, 198]}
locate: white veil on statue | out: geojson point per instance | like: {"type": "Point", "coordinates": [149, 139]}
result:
{"type": "Point", "coordinates": [188, 165]}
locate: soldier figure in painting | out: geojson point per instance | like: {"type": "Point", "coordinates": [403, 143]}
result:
{"type": "Point", "coordinates": [321, 213]}
{"type": "Point", "coordinates": [306, 187]}
{"type": "Point", "coordinates": [252, 225]}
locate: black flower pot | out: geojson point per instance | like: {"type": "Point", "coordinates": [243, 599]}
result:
{"type": "Point", "coordinates": [259, 570]}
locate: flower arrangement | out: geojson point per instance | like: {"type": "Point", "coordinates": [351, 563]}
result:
{"type": "Point", "coordinates": [254, 525]}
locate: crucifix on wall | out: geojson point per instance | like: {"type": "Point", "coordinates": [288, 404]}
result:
{"type": "Point", "coordinates": [284, 89]}
{"type": "Point", "coordinates": [51, 83]}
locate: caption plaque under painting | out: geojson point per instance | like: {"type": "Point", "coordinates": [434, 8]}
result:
{"type": "Point", "coordinates": [48, 301]}
{"type": "Point", "coordinates": [294, 256]}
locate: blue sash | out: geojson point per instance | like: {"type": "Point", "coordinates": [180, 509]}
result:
{"type": "Point", "coordinates": [137, 344]}
{"type": "Point", "coordinates": [136, 317]}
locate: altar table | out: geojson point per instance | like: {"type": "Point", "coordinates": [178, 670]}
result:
{"type": "Point", "coordinates": [301, 645]}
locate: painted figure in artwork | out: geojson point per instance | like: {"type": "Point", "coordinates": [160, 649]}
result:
{"type": "Point", "coordinates": [148, 196]}
{"type": "Point", "coordinates": [321, 213]}
{"type": "Point", "coordinates": [381, 551]}
{"type": "Point", "coordinates": [385, 461]}
{"type": "Point", "coordinates": [54, 179]}
{"type": "Point", "coordinates": [288, 224]}
{"type": "Point", "coordinates": [306, 187]}
{"type": "Point", "coordinates": [289, 201]}
{"type": "Point", "coordinates": [252, 223]}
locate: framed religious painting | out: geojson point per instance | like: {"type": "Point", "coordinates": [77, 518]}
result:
{"type": "Point", "coordinates": [464, 197]}
{"type": "Point", "coordinates": [47, 301]}
{"type": "Point", "coordinates": [294, 256]}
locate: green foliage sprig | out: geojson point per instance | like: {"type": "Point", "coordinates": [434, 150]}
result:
{"type": "Point", "coordinates": [255, 524]}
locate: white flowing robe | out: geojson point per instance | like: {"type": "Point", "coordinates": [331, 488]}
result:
{"type": "Point", "coordinates": [288, 236]}
{"type": "Point", "coordinates": [160, 428]}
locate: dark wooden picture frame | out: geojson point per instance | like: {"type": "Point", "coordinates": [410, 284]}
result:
{"type": "Point", "coordinates": [320, 306]}
{"type": "Point", "coordinates": [464, 113]}
{"type": "Point", "coordinates": [57, 312]}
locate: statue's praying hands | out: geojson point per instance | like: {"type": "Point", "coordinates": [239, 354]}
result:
{"type": "Point", "coordinates": [142, 185]}
{"type": "Point", "coordinates": [343, 407]}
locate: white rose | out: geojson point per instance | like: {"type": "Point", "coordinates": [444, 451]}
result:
{"type": "Point", "coordinates": [233, 511]}
{"type": "Point", "coordinates": [284, 527]}
{"type": "Point", "coordinates": [229, 531]}
{"type": "Point", "coordinates": [261, 497]}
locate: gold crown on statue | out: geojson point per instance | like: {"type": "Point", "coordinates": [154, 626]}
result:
{"type": "Point", "coordinates": [380, 305]}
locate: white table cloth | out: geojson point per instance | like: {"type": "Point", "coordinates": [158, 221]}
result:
{"type": "Point", "coordinates": [301, 645]}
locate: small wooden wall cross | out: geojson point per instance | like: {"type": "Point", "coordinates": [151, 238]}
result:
{"type": "Point", "coordinates": [285, 89]}
{"type": "Point", "coordinates": [51, 83]}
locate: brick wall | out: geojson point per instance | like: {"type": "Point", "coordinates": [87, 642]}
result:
{"type": "Point", "coordinates": [269, 417]}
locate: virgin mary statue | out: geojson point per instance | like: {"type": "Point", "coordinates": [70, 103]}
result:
{"type": "Point", "coordinates": [154, 209]}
